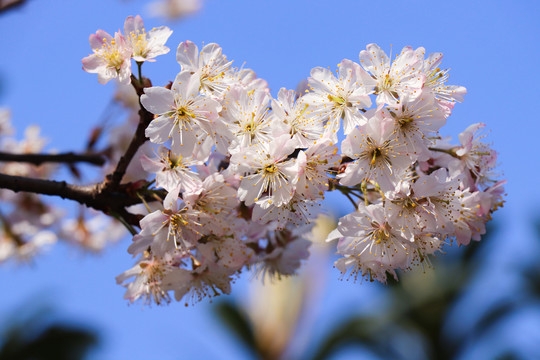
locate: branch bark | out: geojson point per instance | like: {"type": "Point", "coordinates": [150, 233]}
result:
{"type": "Point", "coordinates": [67, 158]}
{"type": "Point", "coordinates": [10, 4]}
{"type": "Point", "coordinates": [89, 195]}
{"type": "Point", "coordinates": [112, 181]}
{"type": "Point", "coordinates": [110, 196]}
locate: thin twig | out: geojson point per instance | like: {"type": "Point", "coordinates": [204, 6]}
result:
{"type": "Point", "coordinates": [351, 200]}
{"type": "Point", "coordinates": [66, 158]}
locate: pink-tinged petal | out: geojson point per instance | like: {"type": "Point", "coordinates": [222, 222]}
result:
{"type": "Point", "coordinates": [96, 41]}
{"type": "Point", "coordinates": [106, 75]}
{"type": "Point", "coordinates": [153, 222]}
{"type": "Point", "coordinates": [150, 165]}
{"type": "Point", "coordinates": [457, 93]}
{"type": "Point", "coordinates": [279, 112]}
{"type": "Point", "coordinates": [160, 35]}
{"type": "Point", "coordinates": [159, 129]}
{"type": "Point", "coordinates": [385, 98]}
{"type": "Point", "coordinates": [171, 200]}
{"type": "Point", "coordinates": [92, 63]}
{"type": "Point", "coordinates": [352, 120]}
{"type": "Point", "coordinates": [156, 42]}
{"type": "Point", "coordinates": [356, 77]}
{"type": "Point", "coordinates": [374, 59]}
{"type": "Point", "coordinates": [120, 40]}
{"type": "Point", "coordinates": [433, 61]}
{"type": "Point", "coordinates": [167, 180]}
{"type": "Point", "coordinates": [184, 141]}
{"type": "Point", "coordinates": [187, 56]}
{"type": "Point", "coordinates": [139, 24]}
{"type": "Point", "coordinates": [179, 280]}
{"type": "Point", "coordinates": [282, 146]}
{"type": "Point", "coordinates": [124, 75]}
{"type": "Point", "coordinates": [405, 61]}
{"type": "Point", "coordinates": [359, 99]}
{"type": "Point", "coordinates": [129, 25]}
{"type": "Point", "coordinates": [101, 36]}
{"type": "Point", "coordinates": [158, 100]}
{"type": "Point", "coordinates": [186, 85]}
{"type": "Point", "coordinates": [210, 52]}
{"type": "Point", "coordinates": [351, 145]}
{"type": "Point", "coordinates": [140, 244]}
{"type": "Point", "coordinates": [250, 189]}
{"type": "Point", "coordinates": [321, 74]}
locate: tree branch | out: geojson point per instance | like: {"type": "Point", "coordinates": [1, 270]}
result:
{"type": "Point", "coordinates": [112, 181]}
{"type": "Point", "coordinates": [67, 158]}
{"type": "Point", "coordinates": [89, 195]}
{"type": "Point", "coordinates": [109, 196]}
{"type": "Point", "coordinates": [10, 4]}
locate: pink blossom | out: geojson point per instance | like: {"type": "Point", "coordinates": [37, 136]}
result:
{"type": "Point", "coordinates": [111, 58]}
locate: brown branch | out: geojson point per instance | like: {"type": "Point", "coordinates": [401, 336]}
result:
{"type": "Point", "coordinates": [112, 181]}
{"type": "Point", "coordinates": [67, 158]}
{"type": "Point", "coordinates": [89, 195]}
{"type": "Point", "coordinates": [10, 4]}
{"type": "Point", "coordinates": [109, 196]}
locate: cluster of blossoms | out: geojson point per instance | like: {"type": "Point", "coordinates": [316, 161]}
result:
{"type": "Point", "coordinates": [112, 55]}
{"type": "Point", "coordinates": [244, 172]}
{"type": "Point", "coordinates": [26, 224]}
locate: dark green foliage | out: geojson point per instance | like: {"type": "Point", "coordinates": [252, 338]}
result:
{"type": "Point", "coordinates": [37, 337]}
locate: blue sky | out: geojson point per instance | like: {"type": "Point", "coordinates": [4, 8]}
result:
{"type": "Point", "coordinates": [490, 46]}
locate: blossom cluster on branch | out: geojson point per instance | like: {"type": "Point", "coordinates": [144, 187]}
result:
{"type": "Point", "coordinates": [232, 177]}
{"type": "Point", "coordinates": [245, 172]}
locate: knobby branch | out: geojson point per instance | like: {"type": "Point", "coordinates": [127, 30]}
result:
{"type": "Point", "coordinates": [110, 196]}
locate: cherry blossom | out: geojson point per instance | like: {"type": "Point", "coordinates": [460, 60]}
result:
{"type": "Point", "coordinates": [340, 98]}
{"type": "Point", "coordinates": [185, 116]}
{"type": "Point", "coordinates": [233, 178]}
{"type": "Point", "coordinates": [111, 58]}
{"type": "Point", "coordinates": [394, 79]}
{"type": "Point", "coordinates": [145, 46]}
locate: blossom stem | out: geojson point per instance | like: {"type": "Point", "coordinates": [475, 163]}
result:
{"type": "Point", "coordinates": [124, 222]}
{"type": "Point", "coordinates": [139, 67]}
{"type": "Point", "coordinates": [144, 202]}
{"type": "Point", "coordinates": [363, 187]}
{"type": "Point", "coordinates": [351, 200]}
{"type": "Point", "coordinates": [347, 191]}
{"type": "Point", "coordinates": [450, 152]}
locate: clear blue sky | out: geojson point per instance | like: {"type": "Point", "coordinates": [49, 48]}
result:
{"type": "Point", "coordinates": [490, 46]}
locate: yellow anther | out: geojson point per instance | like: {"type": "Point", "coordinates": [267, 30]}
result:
{"type": "Point", "coordinates": [336, 99]}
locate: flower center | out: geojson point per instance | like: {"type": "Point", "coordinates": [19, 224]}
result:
{"type": "Point", "coordinates": [270, 169]}
{"type": "Point", "coordinates": [110, 53]}
{"type": "Point", "coordinates": [177, 220]}
{"type": "Point", "coordinates": [380, 232]}
{"type": "Point", "coordinates": [139, 43]}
